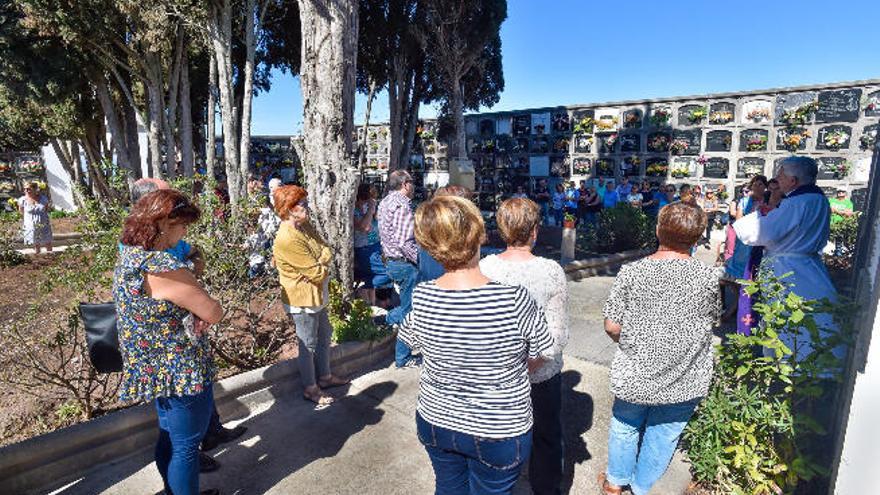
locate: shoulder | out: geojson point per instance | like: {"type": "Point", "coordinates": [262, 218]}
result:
{"type": "Point", "coordinates": [490, 262]}
{"type": "Point", "coordinates": [550, 268]}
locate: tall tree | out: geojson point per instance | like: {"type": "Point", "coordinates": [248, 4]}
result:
{"type": "Point", "coordinates": [463, 38]}
{"type": "Point", "coordinates": [329, 58]}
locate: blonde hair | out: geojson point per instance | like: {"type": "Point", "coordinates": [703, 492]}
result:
{"type": "Point", "coordinates": [517, 219]}
{"type": "Point", "coordinates": [451, 229]}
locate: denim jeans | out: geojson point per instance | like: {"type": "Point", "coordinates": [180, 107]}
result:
{"type": "Point", "coordinates": [469, 465]}
{"type": "Point", "coordinates": [368, 266]}
{"type": "Point", "coordinates": [660, 427]}
{"type": "Point", "coordinates": [313, 331]}
{"type": "Point", "coordinates": [405, 276]}
{"type": "Point", "coordinates": [548, 450]}
{"type": "Point", "coordinates": [183, 421]}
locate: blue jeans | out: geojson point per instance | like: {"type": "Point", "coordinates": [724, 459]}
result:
{"type": "Point", "coordinates": [469, 465]}
{"type": "Point", "coordinates": [405, 276]}
{"type": "Point", "coordinates": [183, 421]}
{"type": "Point", "coordinates": [368, 266]}
{"type": "Point", "coordinates": [548, 449]}
{"type": "Point", "coordinates": [660, 427]}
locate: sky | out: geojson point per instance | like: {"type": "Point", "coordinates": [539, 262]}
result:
{"type": "Point", "coordinates": [565, 52]}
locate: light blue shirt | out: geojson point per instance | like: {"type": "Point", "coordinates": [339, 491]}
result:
{"type": "Point", "coordinates": [180, 251]}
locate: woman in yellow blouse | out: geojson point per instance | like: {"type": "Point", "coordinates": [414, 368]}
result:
{"type": "Point", "coordinates": [303, 262]}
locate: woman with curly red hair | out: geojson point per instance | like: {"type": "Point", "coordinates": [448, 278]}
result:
{"type": "Point", "coordinates": [163, 315]}
{"type": "Point", "coordinates": [303, 262]}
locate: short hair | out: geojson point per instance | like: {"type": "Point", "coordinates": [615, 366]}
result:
{"type": "Point", "coordinates": [144, 186]}
{"type": "Point", "coordinates": [363, 192]}
{"type": "Point", "coordinates": [460, 191]}
{"type": "Point", "coordinates": [286, 198]}
{"type": "Point", "coordinates": [804, 168]}
{"type": "Point", "coordinates": [680, 225]}
{"type": "Point", "coordinates": [517, 219]}
{"type": "Point", "coordinates": [274, 183]}
{"type": "Point", "coordinates": [141, 228]}
{"type": "Point", "coordinates": [451, 229]}
{"type": "Point", "coordinates": [759, 178]}
{"type": "Point", "coordinates": [397, 179]}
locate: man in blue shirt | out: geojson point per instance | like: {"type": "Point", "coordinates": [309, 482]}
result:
{"type": "Point", "coordinates": [611, 197]}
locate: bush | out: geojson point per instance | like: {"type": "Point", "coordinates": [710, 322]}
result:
{"type": "Point", "coordinates": [761, 429]}
{"type": "Point", "coordinates": [622, 228]}
{"type": "Point", "coordinates": [9, 232]}
{"type": "Point", "coordinates": [351, 320]}
{"type": "Point", "coordinates": [844, 234]}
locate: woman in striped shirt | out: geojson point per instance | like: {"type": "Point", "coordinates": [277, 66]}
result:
{"type": "Point", "coordinates": [478, 339]}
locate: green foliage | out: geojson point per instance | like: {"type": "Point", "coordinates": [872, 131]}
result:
{"type": "Point", "coordinates": [758, 430]}
{"type": "Point", "coordinates": [351, 319]}
{"type": "Point", "coordinates": [844, 234]}
{"type": "Point", "coordinates": [622, 228]}
{"type": "Point", "coordinates": [62, 214]}
{"type": "Point", "coordinates": [9, 232]}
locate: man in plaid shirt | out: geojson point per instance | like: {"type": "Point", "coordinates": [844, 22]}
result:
{"type": "Point", "coordinates": [400, 251]}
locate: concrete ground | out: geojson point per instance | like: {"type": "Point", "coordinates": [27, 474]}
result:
{"type": "Point", "coordinates": [366, 443]}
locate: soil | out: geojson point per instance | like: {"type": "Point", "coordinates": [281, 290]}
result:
{"type": "Point", "coordinates": [64, 225]}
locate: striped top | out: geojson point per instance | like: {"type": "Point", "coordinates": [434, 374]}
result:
{"type": "Point", "coordinates": [475, 343]}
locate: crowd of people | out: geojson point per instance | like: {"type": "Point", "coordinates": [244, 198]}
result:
{"type": "Point", "coordinates": [488, 329]}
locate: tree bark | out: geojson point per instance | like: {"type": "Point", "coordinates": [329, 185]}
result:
{"type": "Point", "coordinates": [66, 160]}
{"type": "Point", "coordinates": [211, 116]}
{"type": "Point", "coordinates": [157, 110]}
{"type": "Point", "coordinates": [457, 144]}
{"type": "Point", "coordinates": [117, 132]}
{"type": "Point", "coordinates": [329, 57]}
{"type": "Point", "coordinates": [186, 124]}
{"type": "Point", "coordinates": [171, 101]}
{"type": "Point", "coordinates": [220, 31]}
{"type": "Point", "coordinates": [248, 92]}
{"type": "Point", "coordinates": [362, 140]}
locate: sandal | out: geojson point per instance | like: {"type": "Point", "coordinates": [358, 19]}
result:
{"type": "Point", "coordinates": [317, 397]}
{"type": "Point", "coordinates": [334, 381]}
{"type": "Point", "coordinates": [606, 487]}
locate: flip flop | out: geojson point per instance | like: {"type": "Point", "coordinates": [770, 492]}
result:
{"type": "Point", "coordinates": [605, 487]}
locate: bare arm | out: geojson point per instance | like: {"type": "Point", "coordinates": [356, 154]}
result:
{"type": "Point", "coordinates": [181, 288]}
{"type": "Point", "coordinates": [612, 328]}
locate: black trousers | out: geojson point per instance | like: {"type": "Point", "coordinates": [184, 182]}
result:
{"type": "Point", "coordinates": [548, 450]}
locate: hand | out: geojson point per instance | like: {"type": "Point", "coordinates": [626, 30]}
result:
{"type": "Point", "coordinates": [535, 364]}
{"type": "Point", "coordinates": [200, 327]}
{"type": "Point", "coordinates": [198, 261]}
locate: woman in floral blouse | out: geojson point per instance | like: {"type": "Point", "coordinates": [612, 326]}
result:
{"type": "Point", "coordinates": [163, 316]}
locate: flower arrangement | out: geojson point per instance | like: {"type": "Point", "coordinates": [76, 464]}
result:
{"type": "Point", "coordinates": [658, 169]}
{"type": "Point", "coordinates": [841, 170]}
{"type": "Point", "coordinates": [759, 114]}
{"type": "Point", "coordinates": [721, 117]}
{"type": "Point", "coordinates": [561, 145]}
{"type": "Point", "coordinates": [793, 140]}
{"type": "Point", "coordinates": [30, 165]}
{"type": "Point", "coordinates": [836, 139]}
{"type": "Point", "coordinates": [608, 141]}
{"type": "Point", "coordinates": [582, 167]}
{"type": "Point", "coordinates": [680, 171]}
{"type": "Point", "coordinates": [660, 142]}
{"type": "Point", "coordinates": [374, 147]}
{"type": "Point", "coordinates": [679, 146]}
{"type": "Point", "coordinates": [868, 140]}
{"type": "Point", "coordinates": [584, 126]}
{"type": "Point", "coordinates": [757, 143]}
{"type": "Point", "coordinates": [604, 167]}
{"type": "Point", "coordinates": [607, 122]}
{"type": "Point", "coordinates": [801, 114]}
{"type": "Point", "coordinates": [372, 134]}
{"type": "Point", "coordinates": [660, 117]}
{"type": "Point", "coordinates": [7, 186]}
{"type": "Point", "coordinates": [702, 160]}
{"type": "Point", "coordinates": [430, 148]}
{"type": "Point", "coordinates": [488, 145]}
{"type": "Point", "coordinates": [539, 129]}
{"type": "Point", "coordinates": [583, 143]}
{"type": "Point", "coordinates": [632, 119]}
{"type": "Point", "coordinates": [697, 115]}
{"type": "Point", "coordinates": [5, 167]}
{"type": "Point", "coordinates": [426, 135]}
{"type": "Point", "coordinates": [871, 103]}
{"type": "Point", "coordinates": [634, 160]}
{"type": "Point", "coordinates": [561, 122]}
{"type": "Point", "coordinates": [12, 203]}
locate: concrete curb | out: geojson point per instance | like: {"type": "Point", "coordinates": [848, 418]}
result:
{"type": "Point", "coordinates": [58, 457]}
{"type": "Point", "coordinates": [601, 265]}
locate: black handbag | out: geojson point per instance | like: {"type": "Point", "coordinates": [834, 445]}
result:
{"type": "Point", "coordinates": [102, 339]}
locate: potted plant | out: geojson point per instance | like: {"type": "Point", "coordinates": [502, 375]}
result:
{"type": "Point", "coordinates": [659, 142]}
{"type": "Point", "coordinates": [757, 143]}
{"type": "Point", "coordinates": [680, 171]}
{"type": "Point", "coordinates": [30, 166]}
{"type": "Point", "coordinates": [584, 126]}
{"type": "Point", "coordinates": [679, 146]}
{"type": "Point", "coordinates": [799, 115]}
{"type": "Point", "coordinates": [836, 139]}
{"type": "Point", "coordinates": [568, 221]}
{"type": "Point", "coordinates": [720, 117]}
{"type": "Point", "coordinates": [759, 114]}
{"type": "Point", "coordinates": [697, 115]}
{"type": "Point", "coordinates": [660, 117]}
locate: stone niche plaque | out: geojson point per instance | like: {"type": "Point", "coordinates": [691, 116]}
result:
{"type": "Point", "coordinates": [503, 126]}
{"type": "Point", "coordinates": [687, 117]}
{"type": "Point", "coordinates": [582, 166]}
{"type": "Point", "coordinates": [630, 143]}
{"type": "Point", "coordinates": [859, 197]}
{"type": "Point", "coordinates": [632, 118]}
{"type": "Point", "coordinates": [834, 138]}
{"type": "Point", "coordinates": [501, 161]}
{"type": "Point", "coordinates": [656, 167]}
{"type": "Point", "coordinates": [791, 139]}
{"type": "Point", "coordinates": [559, 167]}
{"type": "Point", "coordinates": [607, 142]}
{"type": "Point", "coordinates": [839, 105]}
{"type": "Point", "coordinates": [792, 101]}
{"type": "Point", "coordinates": [631, 166]}
{"type": "Point", "coordinates": [691, 138]}
{"type": "Point", "coordinates": [605, 167]}
{"type": "Point", "coordinates": [539, 166]}
{"type": "Point", "coordinates": [521, 164]}
{"type": "Point", "coordinates": [541, 123]}
{"type": "Point", "coordinates": [716, 168]}
{"type": "Point", "coordinates": [872, 105]}
{"type": "Point", "coordinates": [658, 142]}
{"type": "Point", "coordinates": [832, 168]}
{"type": "Point", "coordinates": [561, 143]}
{"type": "Point", "coordinates": [504, 143]}
{"type": "Point", "coordinates": [540, 144]}
{"type": "Point", "coordinates": [722, 113]}
{"type": "Point", "coordinates": [561, 121]}
{"type": "Point", "coordinates": [755, 112]}
{"type": "Point", "coordinates": [522, 124]}
{"type": "Point", "coordinates": [607, 119]}
{"type": "Point", "coordinates": [753, 140]}
{"type": "Point", "coordinates": [487, 127]}
{"type": "Point", "coordinates": [683, 167]}
{"type": "Point", "coordinates": [749, 167]}
{"type": "Point", "coordinates": [581, 114]}
{"type": "Point", "coordinates": [522, 145]}
{"type": "Point", "coordinates": [583, 143]}
{"type": "Point", "coordinates": [869, 137]}
{"type": "Point", "coordinates": [718, 140]}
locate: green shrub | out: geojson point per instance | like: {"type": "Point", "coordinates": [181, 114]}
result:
{"type": "Point", "coordinates": [351, 319]}
{"type": "Point", "coordinates": [622, 228]}
{"type": "Point", "coordinates": [844, 234]}
{"type": "Point", "coordinates": [9, 233]}
{"type": "Point", "coordinates": [761, 430]}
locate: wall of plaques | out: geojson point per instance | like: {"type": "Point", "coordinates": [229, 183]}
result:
{"type": "Point", "coordinates": [711, 139]}
{"type": "Point", "coordinates": [16, 171]}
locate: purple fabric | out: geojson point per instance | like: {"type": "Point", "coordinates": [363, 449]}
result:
{"type": "Point", "coordinates": [397, 227]}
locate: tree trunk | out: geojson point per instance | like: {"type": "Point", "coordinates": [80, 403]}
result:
{"type": "Point", "coordinates": [409, 133]}
{"type": "Point", "coordinates": [211, 116]}
{"type": "Point", "coordinates": [221, 39]}
{"type": "Point", "coordinates": [186, 124]}
{"type": "Point", "coordinates": [248, 92]}
{"type": "Point", "coordinates": [329, 57]}
{"type": "Point", "coordinates": [362, 141]}
{"type": "Point", "coordinates": [171, 101]}
{"type": "Point", "coordinates": [457, 144]}
{"type": "Point", "coordinates": [117, 132]}
{"type": "Point", "coordinates": [157, 111]}
{"type": "Point", "coordinates": [67, 163]}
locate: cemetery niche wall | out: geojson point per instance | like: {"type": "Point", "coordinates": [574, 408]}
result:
{"type": "Point", "coordinates": [708, 139]}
